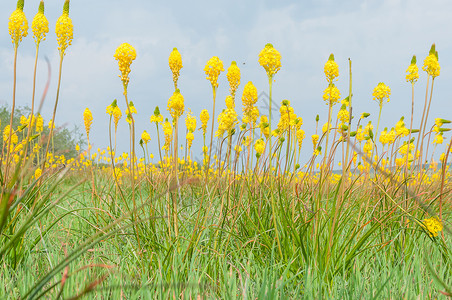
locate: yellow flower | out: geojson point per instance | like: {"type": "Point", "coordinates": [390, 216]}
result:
{"type": "Point", "coordinates": [300, 137]}
{"type": "Point", "coordinates": [39, 123]}
{"type": "Point", "coordinates": [331, 69]}
{"type": "Point", "coordinates": [249, 96]}
{"type": "Point", "coordinates": [49, 125]}
{"type": "Point", "coordinates": [331, 94]}
{"type": "Point", "coordinates": [175, 64]}
{"type": "Point", "coordinates": [431, 64]}
{"type": "Point", "coordinates": [412, 71]}
{"type": "Point", "coordinates": [233, 76]}
{"type": "Point", "coordinates": [40, 25]}
{"type": "Point", "coordinates": [190, 122]}
{"type": "Point", "coordinates": [270, 59]}
{"type": "Point", "coordinates": [145, 137]}
{"type": "Point", "coordinates": [125, 54]}
{"type": "Point", "coordinates": [438, 139]}
{"type": "Point", "coordinates": [156, 117]}
{"type": "Point", "coordinates": [190, 137]}
{"type": "Point", "coordinates": [38, 173]}
{"type": "Point", "coordinates": [264, 126]}
{"type": "Point", "coordinates": [315, 139]}
{"type": "Point", "coordinates": [259, 146]}
{"type": "Point", "coordinates": [116, 115]}
{"type": "Point", "coordinates": [64, 29]}
{"type": "Point", "coordinates": [176, 104]}
{"type": "Point", "coordinates": [343, 115]}
{"type": "Point", "coordinates": [213, 68]}
{"type": "Point", "coordinates": [18, 24]}
{"type": "Point", "coordinates": [381, 92]}
{"type": "Point", "coordinates": [129, 111]}
{"type": "Point", "coordinates": [204, 119]}
{"type": "Point", "coordinates": [168, 132]}
{"type": "Point", "coordinates": [14, 137]}
{"type": "Point", "coordinates": [88, 120]}
{"type": "Point", "coordinates": [433, 225]}
{"type": "Point", "coordinates": [227, 120]}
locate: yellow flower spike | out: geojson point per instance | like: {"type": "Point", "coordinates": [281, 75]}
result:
{"type": "Point", "coordinates": [381, 92]}
{"type": "Point", "coordinates": [412, 71]}
{"type": "Point", "coordinates": [204, 119]}
{"type": "Point", "coordinates": [129, 111]}
{"type": "Point", "coordinates": [213, 68]}
{"type": "Point", "coordinates": [40, 25]}
{"type": "Point", "coordinates": [156, 117]}
{"type": "Point", "coordinates": [300, 137]}
{"type": "Point", "coordinates": [233, 76]}
{"type": "Point", "coordinates": [270, 59]}
{"type": "Point", "coordinates": [331, 69]}
{"type": "Point", "coordinates": [125, 54]}
{"type": "Point", "coordinates": [175, 64]}
{"type": "Point", "coordinates": [145, 137]}
{"type": "Point", "coordinates": [18, 24]}
{"type": "Point", "coordinates": [259, 146]}
{"type": "Point", "coordinates": [431, 64]}
{"type": "Point", "coordinates": [433, 226]}
{"type": "Point", "coordinates": [176, 104]}
{"type": "Point", "coordinates": [64, 30]}
{"type": "Point", "coordinates": [249, 96]}
{"type": "Point", "coordinates": [315, 139]}
{"type": "Point", "coordinates": [190, 122]}
{"type": "Point", "coordinates": [331, 95]}
{"type": "Point", "coordinates": [88, 120]}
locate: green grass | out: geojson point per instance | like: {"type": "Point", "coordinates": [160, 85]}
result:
{"type": "Point", "coordinates": [383, 259]}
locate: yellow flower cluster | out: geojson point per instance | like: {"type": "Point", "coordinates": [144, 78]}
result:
{"type": "Point", "coordinates": [331, 69]}
{"type": "Point", "coordinates": [40, 25]}
{"type": "Point", "coordinates": [176, 104]}
{"type": "Point", "coordinates": [204, 119]}
{"type": "Point", "coordinates": [387, 137]}
{"type": "Point", "coordinates": [125, 54]}
{"type": "Point", "coordinates": [88, 120]}
{"type": "Point", "coordinates": [145, 137]}
{"type": "Point", "coordinates": [431, 64]}
{"type": "Point", "coordinates": [343, 115]}
{"type": "Point", "coordinates": [14, 137]}
{"type": "Point", "coordinates": [270, 59]}
{"type": "Point", "coordinates": [175, 64]}
{"type": "Point", "coordinates": [300, 137]}
{"type": "Point", "coordinates": [168, 132]}
{"type": "Point", "coordinates": [190, 123]}
{"type": "Point", "coordinates": [39, 123]}
{"type": "Point", "coordinates": [315, 139]}
{"type": "Point", "coordinates": [259, 146]}
{"type": "Point", "coordinates": [233, 76]}
{"type": "Point", "coordinates": [287, 116]}
{"type": "Point", "coordinates": [249, 98]}
{"type": "Point", "coordinates": [156, 117]}
{"type": "Point", "coordinates": [381, 92]}
{"type": "Point", "coordinates": [433, 225]}
{"type": "Point", "coordinates": [264, 126]}
{"type": "Point", "coordinates": [400, 128]}
{"type": "Point", "coordinates": [129, 111]}
{"type": "Point", "coordinates": [331, 94]}
{"type": "Point", "coordinates": [213, 68]}
{"type": "Point", "coordinates": [38, 173]}
{"type": "Point", "coordinates": [227, 120]}
{"type": "Point", "coordinates": [64, 29]}
{"type": "Point", "coordinates": [18, 24]}
{"type": "Point", "coordinates": [412, 71]}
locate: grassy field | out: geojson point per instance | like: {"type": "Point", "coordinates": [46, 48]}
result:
{"type": "Point", "coordinates": [252, 220]}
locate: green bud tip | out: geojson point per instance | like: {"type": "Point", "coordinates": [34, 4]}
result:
{"type": "Point", "coordinates": [233, 63]}
{"type": "Point", "coordinates": [331, 57]}
{"type": "Point", "coordinates": [268, 45]}
{"type": "Point", "coordinates": [41, 7]}
{"type": "Point", "coordinates": [20, 4]}
{"type": "Point", "coordinates": [297, 166]}
{"type": "Point", "coordinates": [66, 7]}
{"type": "Point", "coordinates": [285, 102]}
{"type": "Point", "coordinates": [157, 111]}
{"type": "Point", "coordinates": [114, 103]}
{"type": "Point", "coordinates": [343, 106]}
{"type": "Point", "coordinates": [432, 49]}
{"type": "Point", "coordinates": [174, 49]}
{"type": "Point", "coordinates": [177, 91]}
{"type": "Point", "coordinates": [131, 104]}
{"type": "Point", "coordinates": [353, 133]}
{"type": "Point", "coordinates": [317, 118]}
{"type": "Point", "coordinates": [412, 140]}
{"type": "Point", "coordinates": [436, 54]}
{"type": "Point", "coordinates": [413, 60]}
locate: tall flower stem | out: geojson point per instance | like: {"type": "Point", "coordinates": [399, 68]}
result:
{"type": "Point", "coordinates": [32, 102]}
{"type": "Point", "coordinates": [214, 90]}
{"type": "Point", "coordinates": [12, 115]}
{"type": "Point", "coordinates": [270, 155]}
{"type": "Point", "coordinates": [52, 125]}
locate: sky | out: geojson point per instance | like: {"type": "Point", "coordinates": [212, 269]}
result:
{"type": "Point", "coordinates": [379, 37]}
